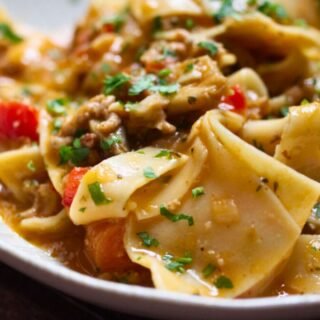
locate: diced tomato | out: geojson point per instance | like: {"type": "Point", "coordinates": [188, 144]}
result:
{"type": "Point", "coordinates": [236, 99]}
{"type": "Point", "coordinates": [108, 27]}
{"type": "Point", "coordinates": [18, 120]}
{"type": "Point", "coordinates": [72, 185]}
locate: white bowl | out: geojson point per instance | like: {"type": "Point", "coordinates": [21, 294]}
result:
{"type": "Point", "coordinates": [16, 252]}
{"type": "Point", "coordinates": [147, 302]}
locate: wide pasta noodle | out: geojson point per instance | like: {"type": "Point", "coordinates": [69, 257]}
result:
{"type": "Point", "coordinates": [224, 226]}
{"type": "Point", "coordinates": [145, 11]}
{"type": "Point", "coordinates": [119, 177]}
{"type": "Point", "coordinates": [300, 138]}
{"type": "Point", "coordinates": [14, 169]}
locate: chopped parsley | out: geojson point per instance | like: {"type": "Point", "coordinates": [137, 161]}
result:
{"type": "Point", "coordinates": [113, 83]}
{"type": "Point", "coordinates": [77, 143]}
{"type": "Point", "coordinates": [57, 106]}
{"type": "Point", "coordinates": [189, 67]}
{"type": "Point", "coordinates": [152, 83]}
{"type": "Point", "coordinates": [304, 102]}
{"type": "Point", "coordinates": [189, 24]}
{"type": "Point", "coordinates": [168, 53]}
{"type": "Point", "coordinates": [284, 111]}
{"type": "Point", "coordinates": [226, 10]}
{"type": "Point", "coordinates": [56, 124]}
{"type": "Point", "coordinates": [176, 217]}
{"type": "Point", "coordinates": [149, 173]}
{"type": "Point", "coordinates": [105, 68]}
{"type": "Point", "coordinates": [76, 154]}
{"type": "Point", "coordinates": [108, 143]}
{"type": "Point", "coordinates": [273, 10]}
{"type": "Point", "coordinates": [97, 195]}
{"type": "Point", "coordinates": [157, 25]}
{"type": "Point", "coordinates": [31, 166]}
{"type": "Point", "coordinates": [166, 89]}
{"type": "Point", "coordinates": [209, 46]}
{"type": "Point", "coordinates": [164, 154]}
{"type": "Point", "coordinates": [176, 264]}
{"type": "Point", "coordinates": [316, 210]}
{"type": "Point", "coordinates": [208, 270]}
{"type": "Point", "coordinates": [197, 192]}
{"type": "Point", "coordinates": [164, 73]}
{"type": "Point", "coordinates": [7, 33]}
{"type": "Point", "coordinates": [223, 282]}
{"type": "Point", "coordinates": [143, 83]}
{"type": "Point", "coordinates": [147, 240]}
{"type": "Point", "coordinates": [83, 209]}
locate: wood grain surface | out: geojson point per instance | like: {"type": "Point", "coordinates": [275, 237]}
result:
{"type": "Point", "coordinates": [22, 298]}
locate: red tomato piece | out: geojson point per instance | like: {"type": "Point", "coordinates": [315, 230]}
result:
{"type": "Point", "coordinates": [108, 27]}
{"type": "Point", "coordinates": [72, 185]}
{"type": "Point", "coordinates": [236, 99]}
{"type": "Point", "coordinates": [18, 120]}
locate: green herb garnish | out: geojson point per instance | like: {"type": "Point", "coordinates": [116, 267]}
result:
{"type": "Point", "coordinates": [56, 124]}
{"type": "Point", "coordinates": [176, 264]}
{"type": "Point", "coordinates": [208, 270]}
{"type": "Point", "coordinates": [197, 192]}
{"type": "Point", "coordinates": [143, 83]}
{"type": "Point", "coordinates": [210, 46]}
{"type": "Point", "coordinates": [157, 25]}
{"type": "Point", "coordinates": [149, 173]}
{"type": "Point", "coordinates": [7, 33]}
{"type": "Point", "coordinates": [273, 10]}
{"type": "Point", "coordinates": [113, 83]}
{"type": "Point", "coordinates": [189, 24]}
{"type": "Point", "coordinates": [74, 154]}
{"type": "Point", "coordinates": [164, 154]}
{"type": "Point", "coordinates": [166, 89]}
{"type": "Point", "coordinates": [226, 10]}
{"type": "Point", "coordinates": [176, 217]}
{"type": "Point", "coordinates": [97, 195]}
{"type": "Point", "coordinates": [108, 143]}
{"type": "Point", "coordinates": [164, 73]}
{"type": "Point", "coordinates": [147, 240]}
{"type": "Point", "coordinates": [223, 283]}
{"type": "Point", "coordinates": [57, 106]}
{"type": "Point", "coordinates": [284, 111]}
{"type": "Point", "coordinates": [189, 67]}
{"type": "Point", "coordinates": [316, 210]}
{"type": "Point", "coordinates": [31, 166]}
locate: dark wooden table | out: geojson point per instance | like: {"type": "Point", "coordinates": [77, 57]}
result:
{"type": "Point", "coordinates": [22, 298]}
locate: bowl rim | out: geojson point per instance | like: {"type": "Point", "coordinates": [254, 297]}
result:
{"type": "Point", "coordinates": [56, 275]}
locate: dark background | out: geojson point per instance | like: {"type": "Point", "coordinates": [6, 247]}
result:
{"type": "Point", "coordinates": [22, 298]}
